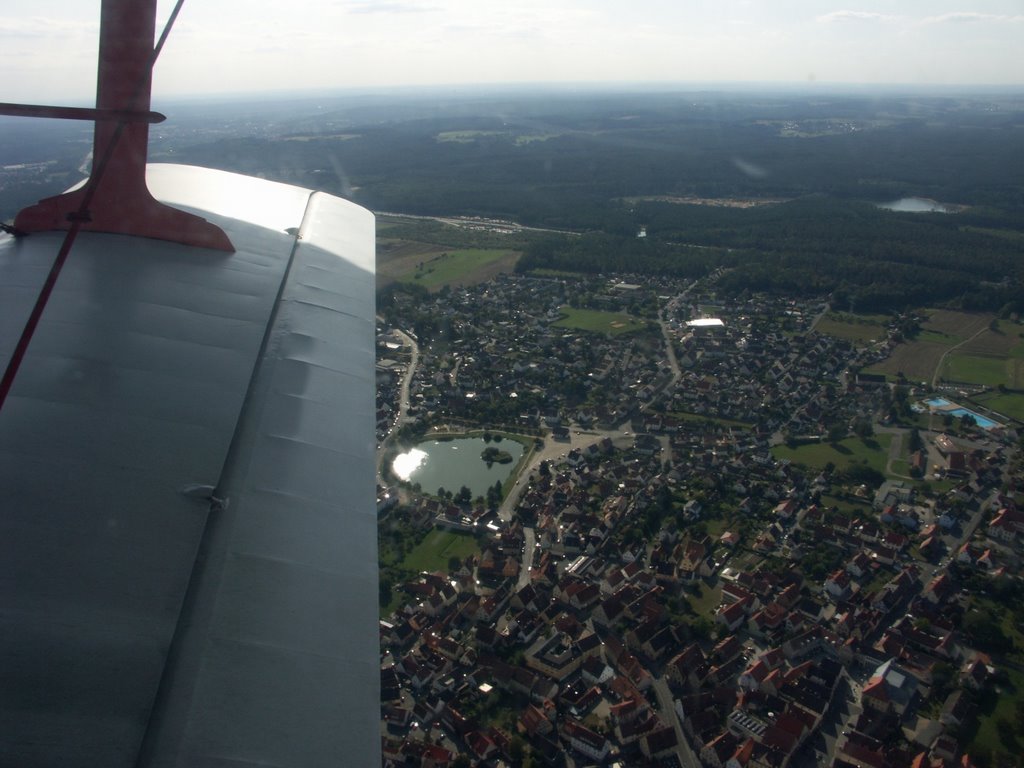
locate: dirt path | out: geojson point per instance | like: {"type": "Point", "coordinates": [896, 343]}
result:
{"type": "Point", "coordinates": [942, 360]}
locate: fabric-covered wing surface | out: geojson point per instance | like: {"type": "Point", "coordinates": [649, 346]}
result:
{"type": "Point", "coordinates": [157, 370]}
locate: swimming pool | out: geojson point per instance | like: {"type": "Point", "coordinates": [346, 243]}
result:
{"type": "Point", "coordinates": [981, 421]}
{"type": "Point", "coordinates": [943, 406]}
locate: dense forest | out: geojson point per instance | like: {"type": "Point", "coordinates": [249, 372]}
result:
{"type": "Point", "coordinates": [605, 165]}
{"type": "Point", "coordinates": [559, 164]}
{"type": "Point", "coordinates": [872, 259]}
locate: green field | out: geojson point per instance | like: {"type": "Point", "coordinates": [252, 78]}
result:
{"type": "Point", "coordinates": [873, 452]}
{"type": "Point", "coordinates": [433, 553]}
{"type": "Point", "coordinates": [1010, 403]}
{"type": "Point", "coordinates": [528, 138]}
{"type": "Point", "coordinates": [860, 329]}
{"type": "Point", "coordinates": [453, 266]}
{"type": "Point", "coordinates": [984, 370]}
{"type": "Point", "coordinates": [612, 323]}
{"type": "Point", "coordinates": [853, 507]}
{"type": "Point", "coordinates": [464, 137]}
{"type": "Point", "coordinates": [687, 416]}
{"type": "Point", "coordinates": [938, 337]}
{"type": "Point", "coordinates": [1006, 234]}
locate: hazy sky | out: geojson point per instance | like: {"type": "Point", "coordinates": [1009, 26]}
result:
{"type": "Point", "coordinates": [48, 47]}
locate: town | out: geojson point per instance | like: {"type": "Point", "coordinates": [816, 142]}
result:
{"type": "Point", "coordinates": [667, 578]}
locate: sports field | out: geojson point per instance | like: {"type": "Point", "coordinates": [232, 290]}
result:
{"type": "Point", "coordinates": [987, 371]}
{"type": "Point", "coordinates": [612, 323]}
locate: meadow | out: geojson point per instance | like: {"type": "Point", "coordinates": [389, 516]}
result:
{"type": "Point", "coordinates": [872, 452]}
{"type": "Point", "coordinates": [860, 329]}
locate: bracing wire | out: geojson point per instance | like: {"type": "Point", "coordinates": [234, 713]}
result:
{"type": "Point", "coordinates": [77, 219]}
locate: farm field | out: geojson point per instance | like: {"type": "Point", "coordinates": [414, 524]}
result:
{"type": "Point", "coordinates": [434, 266]}
{"type": "Point", "coordinates": [1004, 341]}
{"type": "Point", "coordinates": [612, 323]}
{"type": "Point", "coordinates": [918, 359]}
{"type": "Point", "coordinates": [462, 267]}
{"type": "Point", "coordinates": [957, 325]}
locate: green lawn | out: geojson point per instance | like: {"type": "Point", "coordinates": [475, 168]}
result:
{"type": "Point", "coordinates": [997, 708]}
{"type": "Point", "coordinates": [873, 452]}
{"type": "Point", "coordinates": [859, 329]}
{"type": "Point", "coordinates": [1010, 403]}
{"type": "Point", "coordinates": [850, 506]}
{"type": "Point", "coordinates": [451, 266]}
{"type": "Point", "coordinates": [708, 602]}
{"type": "Point", "coordinates": [612, 323]}
{"type": "Point", "coordinates": [974, 369]}
{"type": "Point", "coordinates": [687, 416]}
{"type": "Point", "coordinates": [437, 547]}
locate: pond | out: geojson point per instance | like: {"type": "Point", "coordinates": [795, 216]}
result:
{"type": "Point", "coordinates": [451, 464]}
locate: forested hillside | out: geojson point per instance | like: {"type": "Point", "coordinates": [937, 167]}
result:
{"type": "Point", "coordinates": [779, 189]}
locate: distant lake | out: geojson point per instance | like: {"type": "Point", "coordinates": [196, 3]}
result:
{"type": "Point", "coordinates": [451, 464]}
{"type": "Point", "coordinates": [916, 205]}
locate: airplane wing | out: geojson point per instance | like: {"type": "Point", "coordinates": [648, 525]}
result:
{"type": "Point", "coordinates": [187, 509]}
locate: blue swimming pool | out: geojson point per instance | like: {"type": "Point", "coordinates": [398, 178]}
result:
{"type": "Point", "coordinates": [944, 406]}
{"type": "Point", "coordinates": [978, 418]}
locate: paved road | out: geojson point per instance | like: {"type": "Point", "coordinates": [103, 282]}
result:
{"type": "Point", "coordinates": [668, 715]}
{"type": "Point", "coordinates": [670, 352]}
{"type": "Point", "coordinates": [403, 398]}
{"type": "Point", "coordinates": [529, 547]}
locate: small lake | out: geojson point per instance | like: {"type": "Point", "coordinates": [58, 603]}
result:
{"type": "Point", "coordinates": [916, 205]}
{"type": "Point", "coordinates": [451, 464]}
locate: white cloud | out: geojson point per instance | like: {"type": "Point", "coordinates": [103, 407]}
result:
{"type": "Point", "coordinates": [970, 17]}
{"type": "Point", "coordinates": [46, 27]}
{"type": "Point", "coordinates": [843, 17]}
{"type": "Point", "coordinates": [390, 8]}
